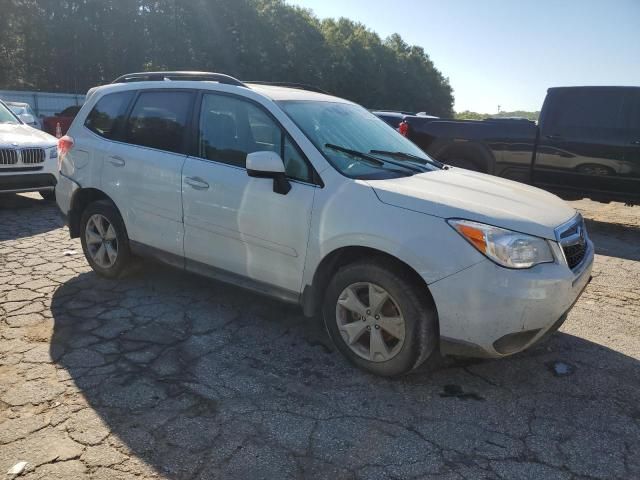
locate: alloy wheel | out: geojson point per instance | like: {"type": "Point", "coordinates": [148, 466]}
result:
{"type": "Point", "coordinates": [102, 242]}
{"type": "Point", "coordinates": [370, 321]}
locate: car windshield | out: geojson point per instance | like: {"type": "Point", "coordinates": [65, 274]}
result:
{"type": "Point", "coordinates": [17, 109]}
{"type": "Point", "coordinates": [357, 143]}
{"type": "Point", "coordinates": [6, 116]}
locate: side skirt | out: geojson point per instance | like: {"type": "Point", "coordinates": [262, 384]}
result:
{"type": "Point", "coordinates": [214, 273]}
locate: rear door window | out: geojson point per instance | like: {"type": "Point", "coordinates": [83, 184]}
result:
{"type": "Point", "coordinates": [159, 120]}
{"type": "Point", "coordinates": [107, 117]}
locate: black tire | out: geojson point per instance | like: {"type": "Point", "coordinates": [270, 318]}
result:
{"type": "Point", "coordinates": [421, 336]}
{"type": "Point", "coordinates": [48, 195]}
{"type": "Point", "coordinates": [123, 259]}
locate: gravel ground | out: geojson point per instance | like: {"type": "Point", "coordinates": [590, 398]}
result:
{"type": "Point", "coordinates": [168, 375]}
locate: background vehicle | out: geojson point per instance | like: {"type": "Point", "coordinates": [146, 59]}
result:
{"type": "Point", "coordinates": [312, 199]}
{"type": "Point", "coordinates": [586, 144]}
{"type": "Point", "coordinates": [62, 119]}
{"type": "Point", "coordinates": [28, 157]}
{"type": "Point", "coordinates": [25, 113]}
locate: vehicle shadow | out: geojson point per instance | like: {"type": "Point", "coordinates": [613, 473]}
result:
{"type": "Point", "coordinates": [615, 239]}
{"type": "Point", "coordinates": [204, 380]}
{"type": "Point", "coordinates": [13, 209]}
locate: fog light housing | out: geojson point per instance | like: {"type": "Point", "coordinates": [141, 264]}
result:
{"type": "Point", "coordinates": [514, 342]}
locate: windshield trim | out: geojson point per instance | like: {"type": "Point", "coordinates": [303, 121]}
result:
{"type": "Point", "coordinates": [384, 173]}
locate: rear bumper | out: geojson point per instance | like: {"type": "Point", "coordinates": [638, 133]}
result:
{"type": "Point", "coordinates": [490, 311]}
{"type": "Point", "coordinates": [27, 182]}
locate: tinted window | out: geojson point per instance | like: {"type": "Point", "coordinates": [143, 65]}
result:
{"type": "Point", "coordinates": [231, 128]}
{"type": "Point", "coordinates": [588, 113]}
{"type": "Point", "coordinates": [159, 120]}
{"type": "Point", "coordinates": [107, 116]}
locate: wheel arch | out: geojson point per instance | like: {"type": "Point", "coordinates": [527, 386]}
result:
{"type": "Point", "coordinates": [312, 295]}
{"type": "Point", "coordinates": [81, 198]}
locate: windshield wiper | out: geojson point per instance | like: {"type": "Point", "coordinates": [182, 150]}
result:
{"type": "Point", "coordinates": [370, 158]}
{"type": "Point", "coordinates": [361, 155]}
{"type": "Point", "coordinates": [409, 156]}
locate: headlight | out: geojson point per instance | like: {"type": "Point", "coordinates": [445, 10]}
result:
{"type": "Point", "coordinates": [53, 152]}
{"type": "Point", "coordinates": [504, 247]}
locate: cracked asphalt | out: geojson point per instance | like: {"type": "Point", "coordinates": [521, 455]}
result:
{"type": "Point", "coordinates": [167, 375]}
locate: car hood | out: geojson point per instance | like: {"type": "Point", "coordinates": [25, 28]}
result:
{"type": "Point", "coordinates": [459, 193]}
{"type": "Point", "coordinates": [24, 136]}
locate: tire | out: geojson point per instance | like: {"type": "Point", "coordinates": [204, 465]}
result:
{"type": "Point", "coordinates": [48, 195]}
{"type": "Point", "coordinates": [414, 305]}
{"type": "Point", "coordinates": [104, 213]}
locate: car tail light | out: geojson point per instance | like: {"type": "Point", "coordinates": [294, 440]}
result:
{"type": "Point", "coordinates": [64, 145]}
{"type": "Point", "coordinates": [403, 128]}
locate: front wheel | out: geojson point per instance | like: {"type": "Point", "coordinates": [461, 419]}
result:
{"type": "Point", "coordinates": [104, 239]}
{"type": "Point", "coordinates": [379, 318]}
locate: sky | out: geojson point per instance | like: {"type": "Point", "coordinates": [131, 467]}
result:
{"type": "Point", "coordinates": [508, 52]}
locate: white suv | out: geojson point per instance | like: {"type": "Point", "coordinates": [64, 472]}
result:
{"type": "Point", "coordinates": [28, 157]}
{"type": "Point", "coordinates": [311, 199]}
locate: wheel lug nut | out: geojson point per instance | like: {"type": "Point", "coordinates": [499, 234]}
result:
{"type": "Point", "coordinates": [377, 317]}
{"type": "Point", "coordinates": [368, 328]}
{"type": "Point", "coordinates": [368, 312]}
{"type": "Point", "coordinates": [377, 327]}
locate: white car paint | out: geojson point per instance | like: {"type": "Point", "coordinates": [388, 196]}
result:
{"type": "Point", "coordinates": [21, 176]}
{"type": "Point", "coordinates": [213, 215]}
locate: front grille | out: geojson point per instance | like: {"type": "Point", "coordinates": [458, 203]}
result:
{"type": "Point", "coordinates": [32, 155]}
{"type": "Point", "coordinates": [575, 254]}
{"type": "Point", "coordinates": [8, 156]}
{"type": "Point", "coordinates": [573, 240]}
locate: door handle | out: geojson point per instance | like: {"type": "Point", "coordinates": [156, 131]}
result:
{"type": "Point", "coordinates": [197, 183]}
{"type": "Point", "coordinates": [635, 142]}
{"type": "Point", "coordinates": [554, 137]}
{"type": "Point", "coordinates": [117, 161]}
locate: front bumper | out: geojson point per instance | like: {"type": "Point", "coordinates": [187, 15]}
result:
{"type": "Point", "coordinates": [490, 311]}
{"type": "Point", "coordinates": [27, 182]}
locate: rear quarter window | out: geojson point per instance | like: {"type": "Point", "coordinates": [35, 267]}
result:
{"type": "Point", "coordinates": [107, 117]}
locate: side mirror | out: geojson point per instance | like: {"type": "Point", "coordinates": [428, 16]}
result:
{"type": "Point", "coordinates": [268, 164]}
{"type": "Point", "coordinates": [27, 118]}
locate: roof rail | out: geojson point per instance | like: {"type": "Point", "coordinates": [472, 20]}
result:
{"type": "Point", "coordinates": [168, 76]}
{"type": "Point", "coordinates": [299, 86]}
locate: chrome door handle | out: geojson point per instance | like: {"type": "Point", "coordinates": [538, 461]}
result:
{"type": "Point", "coordinates": [117, 161]}
{"type": "Point", "coordinates": [635, 142]}
{"type": "Point", "coordinates": [196, 182]}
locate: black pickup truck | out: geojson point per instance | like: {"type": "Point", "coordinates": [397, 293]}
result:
{"type": "Point", "coordinates": [586, 143]}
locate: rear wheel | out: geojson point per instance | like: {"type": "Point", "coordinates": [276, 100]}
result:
{"type": "Point", "coordinates": [379, 319]}
{"type": "Point", "coordinates": [104, 239]}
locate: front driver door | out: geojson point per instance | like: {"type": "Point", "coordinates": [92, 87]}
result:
{"type": "Point", "coordinates": [235, 223]}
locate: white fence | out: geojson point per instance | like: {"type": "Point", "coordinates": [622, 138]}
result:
{"type": "Point", "coordinates": [44, 104]}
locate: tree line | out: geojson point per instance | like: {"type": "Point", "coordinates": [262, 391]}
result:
{"type": "Point", "coordinates": [73, 45]}
{"type": "Point", "coordinates": [469, 115]}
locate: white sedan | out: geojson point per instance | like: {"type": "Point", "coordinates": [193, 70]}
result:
{"type": "Point", "coordinates": [28, 157]}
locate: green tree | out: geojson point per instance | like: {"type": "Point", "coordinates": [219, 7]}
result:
{"type": "Point", "coordinates": [73, 45]}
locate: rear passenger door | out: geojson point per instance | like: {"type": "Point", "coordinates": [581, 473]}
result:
{"type": "Point", "coordinates": [582, 143]}
{"type": "Point", "coordinates": [145, 168]}
{"type": "Point", "coordinates": [236, 224]}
